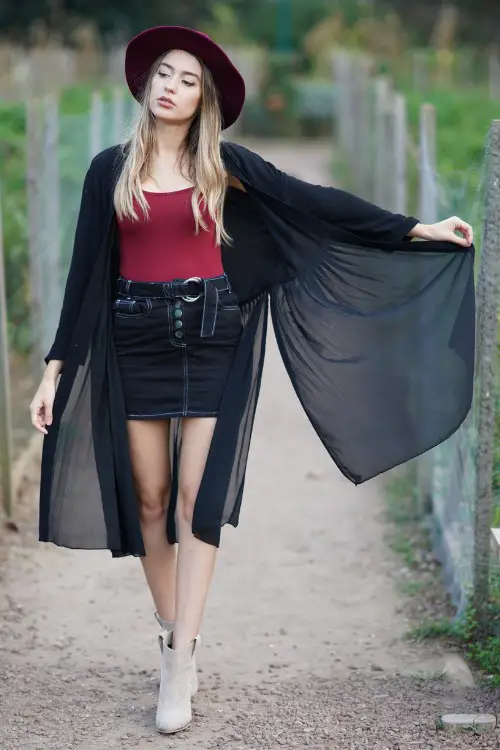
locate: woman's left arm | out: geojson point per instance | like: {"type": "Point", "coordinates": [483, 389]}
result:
{"type": "Point", "coordinates": [340, 208]}
{"type": "Point", "coordinates": [366, 219]}
{"type": "Point", "coordinates": [444, 231]}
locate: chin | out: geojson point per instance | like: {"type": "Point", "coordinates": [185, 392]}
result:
{"type": "Point", "coordinates": [163, 115]}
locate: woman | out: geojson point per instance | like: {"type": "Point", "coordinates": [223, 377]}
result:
{"type": "Point", "coordinates": [180, 242]}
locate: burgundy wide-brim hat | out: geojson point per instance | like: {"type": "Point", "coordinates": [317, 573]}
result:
{"type": "Point", "coordinates": [145, 48]}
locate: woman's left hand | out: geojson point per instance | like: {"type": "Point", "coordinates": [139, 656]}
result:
{"type": "Point", "coordinates": [444, 231]}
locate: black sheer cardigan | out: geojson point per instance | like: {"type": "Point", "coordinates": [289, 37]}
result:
{"type": "Point", "coordinates": [376, 334]}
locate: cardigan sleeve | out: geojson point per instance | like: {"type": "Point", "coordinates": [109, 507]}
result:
{"type": "Point", "coordinates": [329, 204]}
{"type": "Point", "coordinates": [336, 206]}
{"type": "Point", "coordinates": [346, 210]}
{"type": "Point", "coordinates": [88, 238]}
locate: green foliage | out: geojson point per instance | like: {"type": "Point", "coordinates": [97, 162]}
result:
{"type": "Point", "coordinates": [482, 648]}
{"type": "Point", "coordinates": [463, 120]}
{"type": "Point", "coordinates": [73, 159]}
{"type": "Point", "coordinates": [224, 26]}
{"type": "Point", "coordinates": [273, 112]}
{"type": "Point", "coordinates": [15, 226]}
{"type": "Point", "coordinates": [429, 628]}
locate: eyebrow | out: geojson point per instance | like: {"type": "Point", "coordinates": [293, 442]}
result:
{"type": "Point", "coordinates": [183, 72]}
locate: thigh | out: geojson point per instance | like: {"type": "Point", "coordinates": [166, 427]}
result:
{"type": "Point", "coordinates": [150, 455]}
{"type": "Point", "coordinates": [197, 435]}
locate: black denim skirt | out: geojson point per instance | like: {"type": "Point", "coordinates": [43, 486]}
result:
{"type": "Point", "coordinates": [175, 343]}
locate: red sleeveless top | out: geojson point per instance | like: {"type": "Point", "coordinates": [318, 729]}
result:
{"type": "Point", "coordinates": [164, 246]}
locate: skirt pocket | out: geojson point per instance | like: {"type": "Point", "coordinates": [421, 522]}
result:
{"type": "Point", "coordinates": [132, 308]}
{"type": "Point", "coordinates": [227, 300]}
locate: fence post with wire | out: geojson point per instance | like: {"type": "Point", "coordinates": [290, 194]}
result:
{"type": "Point", "coordinates": [5, 416]}
{"type": "Point", "coordinates": [487, 370]}
{"type": "Point", "coordinates": [57, 149]}
{"type": "Point", "coordinates": [452, 482]}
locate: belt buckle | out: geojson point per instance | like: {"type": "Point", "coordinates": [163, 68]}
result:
{"type": "Point", "coordinates": [190, 297]}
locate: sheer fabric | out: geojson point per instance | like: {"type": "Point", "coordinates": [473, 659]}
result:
{"type": "Point", "coordinates": [376, 333]}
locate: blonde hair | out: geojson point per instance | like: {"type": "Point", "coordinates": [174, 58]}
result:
{"type": "Point", "coordinates": [200, 154]}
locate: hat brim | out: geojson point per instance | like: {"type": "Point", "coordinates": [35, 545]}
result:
{"type": "Point", "coordinates": [145, 48]}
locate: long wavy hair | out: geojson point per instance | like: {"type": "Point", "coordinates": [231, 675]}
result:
{"type": "Point", "coordinates": [200, 157]}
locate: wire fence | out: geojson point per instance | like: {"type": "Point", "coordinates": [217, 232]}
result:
{"type": "Point", "coordinates": [45, 156]}
{"type": "Point", "coordinates": [59, 150]}
{"type": "Point", "coordinates": [454, 482]}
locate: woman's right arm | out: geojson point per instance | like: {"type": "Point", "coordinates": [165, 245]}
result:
{"type": "Point", "coordinates": [43, 400]}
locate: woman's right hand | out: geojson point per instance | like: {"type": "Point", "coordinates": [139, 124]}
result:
{"type": "Point", "coordinates": [41, 406]}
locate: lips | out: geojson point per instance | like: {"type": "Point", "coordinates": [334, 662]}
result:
{"type": "Point", "coordinates": [165, 102]}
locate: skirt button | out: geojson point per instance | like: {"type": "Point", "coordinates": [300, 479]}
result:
{"type": "Point", "coordinates": [178, 323]}
{"type": "Point", "coordinates": [178, 334]}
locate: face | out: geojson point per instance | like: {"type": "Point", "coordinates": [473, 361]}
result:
{"type": "Point", "coordinates": [176, 88]}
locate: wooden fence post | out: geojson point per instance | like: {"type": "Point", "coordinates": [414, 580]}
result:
{"type": "Point", "coordinates": [420, 71]}
{"type": "Point", "coordinates": [428, 192]}
{"type": "Point", "coordinates": [118, 115]}
{"type": "Point", "coordinates": [338, 76]}
{"type": "Point", "coordinates": [365, 146]}
{"type": "Point", "coordinates": [382, 93]}
{"type": "Point", "coordinates": [400, 154]}
{"type": "Point", "coordinates": [96, 124]}
{"type": "Point", "coordinates": [360, 117]}
{"type": "Point", "coordinates": [34, 141]}
{"type": "Point", "coordinates": [5, 416]}
{"type": "Point", "coordinates": [52, 240]}
{"type": "Point", "coordinates": [494, 74]}
{"type": "Point", "coordinates": [487, 365]}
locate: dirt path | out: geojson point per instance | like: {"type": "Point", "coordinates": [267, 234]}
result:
{"type": "Point", "coordinates": [301, 641]}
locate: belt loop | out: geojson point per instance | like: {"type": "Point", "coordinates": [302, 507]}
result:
{"type": "Point", "coordinates": [127, 286]}
{"type": "Point", "coordinates": [165, 288]}
{"type": "Point", "coordinates": [209, 308]}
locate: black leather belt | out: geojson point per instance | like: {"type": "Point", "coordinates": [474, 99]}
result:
{"type": "Point", "coordinates": [189, 290]}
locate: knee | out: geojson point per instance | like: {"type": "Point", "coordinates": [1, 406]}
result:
{"type": "Point", "coordinates": [153, 503]}
{"type": "Point", "coordinates": [186, 502]}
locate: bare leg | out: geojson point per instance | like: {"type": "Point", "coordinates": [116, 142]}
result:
{"type": "Point", "coordinates": [196, 559]}
{"type": "Point", "coordinates": [149, 452]}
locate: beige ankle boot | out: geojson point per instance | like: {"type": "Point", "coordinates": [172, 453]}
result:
{"type": "Point", "coordinates": [174, 701]}
{"type": "Point", "coordinates": [169, 626]}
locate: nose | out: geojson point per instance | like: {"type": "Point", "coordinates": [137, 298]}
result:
{"type": "Point", "coordinates": [170, 85]}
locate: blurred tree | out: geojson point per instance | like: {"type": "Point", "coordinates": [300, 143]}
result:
{"type": "Point", "coordinates": [130, 16]}
{"type": "Point", "coordinates": [225, 25]}
{"type": "Point", "coordinates": [274, 23]}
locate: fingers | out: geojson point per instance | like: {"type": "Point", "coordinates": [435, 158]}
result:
{"type": "Point", "coordinates": [459, 240]}
{"type": "Point", "coordinates": [48, 414]}
{"type": "Point", "coordinates": [38, 418]}
{"type": "Point", "coordinates": [465, 229]}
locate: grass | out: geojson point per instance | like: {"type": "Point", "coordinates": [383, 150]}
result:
{"type": "Point", "coordinates": [406, 527]}
{"type": "Point", "coordinates": [424, 675]}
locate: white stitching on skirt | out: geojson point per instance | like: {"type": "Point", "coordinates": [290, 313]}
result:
{"type": "Point", "coordinates": [177, 414]}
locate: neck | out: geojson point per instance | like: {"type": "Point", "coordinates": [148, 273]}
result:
{"type": "Point", "coordinates": [170, 139]}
